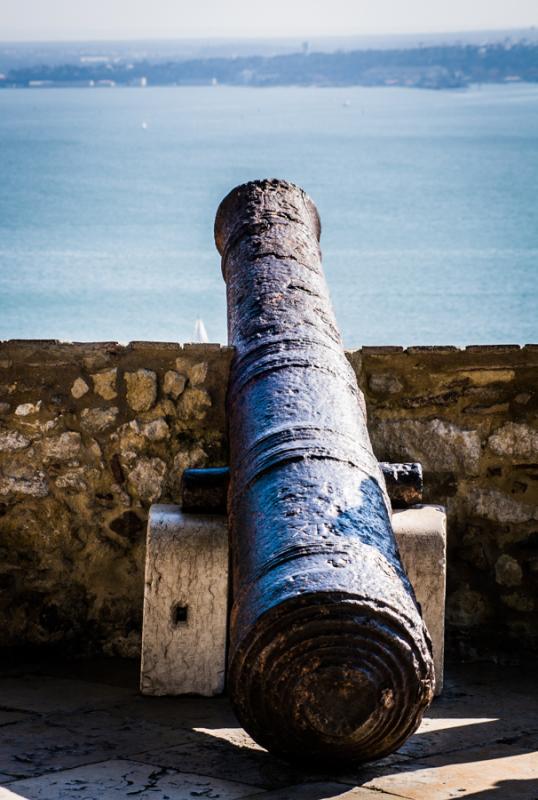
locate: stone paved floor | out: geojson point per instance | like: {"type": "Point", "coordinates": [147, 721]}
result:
{"type": "Point", "coordinates": [83, 732]}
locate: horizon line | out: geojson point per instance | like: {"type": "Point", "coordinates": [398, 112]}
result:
{"type": "Point", "coordinates": [263, 38]}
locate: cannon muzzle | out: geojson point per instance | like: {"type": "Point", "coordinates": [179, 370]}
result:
{"type": "Point", "coordinates": [329, 657]}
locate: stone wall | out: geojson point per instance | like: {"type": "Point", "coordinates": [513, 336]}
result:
{"type": "Point", "coordinates": [471, 418]}
{"type": "Point", "coordinates": [92, 434]}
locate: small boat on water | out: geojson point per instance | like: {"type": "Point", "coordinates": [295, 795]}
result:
{"type": "Point", "coordinates": [200, 332]}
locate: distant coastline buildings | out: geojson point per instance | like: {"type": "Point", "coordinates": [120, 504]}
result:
{"type": "Point", "coordinates": [431, 67]}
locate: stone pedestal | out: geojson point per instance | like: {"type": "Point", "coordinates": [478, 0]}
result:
{"type": "Point", "coordinates": [186, 594]}
{"type": "Point", "coordinates": [185, 603]}
{"type": "Point", "coordinates": [421, 535]}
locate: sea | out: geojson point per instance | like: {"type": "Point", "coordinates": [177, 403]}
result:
{"type": "Point", "coordinates": [428, 202]}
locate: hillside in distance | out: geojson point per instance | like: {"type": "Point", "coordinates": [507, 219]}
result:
{"type": "Point", "coordinates": [434, 67]}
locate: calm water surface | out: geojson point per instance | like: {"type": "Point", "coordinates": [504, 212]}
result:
{"type": "Point", "coordinates": [428, 202]}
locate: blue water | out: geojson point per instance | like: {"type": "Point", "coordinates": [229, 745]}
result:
{"type": "Point", "coordinates": [428, 202]}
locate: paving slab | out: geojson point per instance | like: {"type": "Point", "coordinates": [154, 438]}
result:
{"type": "Point", "coordinates": [498, 771]}
{"type": "Point", "coordinates": [435, 738]}
{"type": "Point", "coordinates": [9, 717]}
{"type": "Point", "coordinates": [61, 741]}
{"type": "Point", "coordinates": [230, 754]}
{"type": "Point", "coordinates": [481, 689]}
{"type": "Point", "coordinates": [481, 704]}
{"type": "Point", "coordinates": [187, 712]}
{"type": "Point", "coordinates": [321, 791]}
{"type": "Point", "coordinates": [122, 780]}
{"type": "Point", "coordinates": [46, 695]}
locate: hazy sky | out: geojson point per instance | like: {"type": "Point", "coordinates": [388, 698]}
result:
{"type": "Point", "coordinates": [117, 19]}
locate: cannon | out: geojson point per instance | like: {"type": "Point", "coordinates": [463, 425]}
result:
{"type": "Point", "coordinates": [205, 490]}
{"type": "Point", "coordinates": [329, 659]}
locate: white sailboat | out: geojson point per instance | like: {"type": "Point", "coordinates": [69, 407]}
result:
{"type": "Point", "coordinates": [200, 333]}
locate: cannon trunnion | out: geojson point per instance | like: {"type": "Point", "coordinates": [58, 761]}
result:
{"type": "Point", "coordinates": [329, 658]}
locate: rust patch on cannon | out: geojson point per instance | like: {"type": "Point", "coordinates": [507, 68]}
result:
{"type": "Point", "coordinates": [329, 658]}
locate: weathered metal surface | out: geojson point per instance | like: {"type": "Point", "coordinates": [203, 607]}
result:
{"type": "Point", "coordinates": [404, 483]}
{"type": "Point", "coordinates": [329, 658]}
{"type": "Point", "coordinates": [204, 490]}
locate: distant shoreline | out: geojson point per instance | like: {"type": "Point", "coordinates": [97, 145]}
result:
{"type": "Point", "coordinates": [312, 86]}
{"type": "Point", "coordinates": [432, 67]}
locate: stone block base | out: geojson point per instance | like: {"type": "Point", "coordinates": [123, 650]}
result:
{"type": "Point", "coordinates": [185, 603]}
{"type": "Point", "coordinates": [421, 536]}
{"type": "Point", "coordinates": [186, 594]}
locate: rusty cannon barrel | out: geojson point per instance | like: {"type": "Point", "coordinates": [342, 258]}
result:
{"type": "Point", "coordinates": [329, 659]}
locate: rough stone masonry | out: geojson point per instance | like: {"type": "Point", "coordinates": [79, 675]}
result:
{"type": "Point", "coordinates": [92, 434]}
